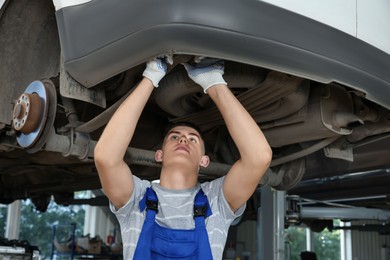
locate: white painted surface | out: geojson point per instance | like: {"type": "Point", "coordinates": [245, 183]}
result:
{"type": "Point", "coordinates": [59, 4]}
{"type": "Point", "coordinates": [368, 20]}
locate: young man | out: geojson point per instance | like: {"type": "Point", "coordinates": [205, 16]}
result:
{"type": "Point", "coordinates": [181, 156]}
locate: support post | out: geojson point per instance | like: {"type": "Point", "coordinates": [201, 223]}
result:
{"type": "Point", "coordinates": [309, 240]}
{"type": "Point", "coordinates": [271, 224]}
{"type": "Point", "coordinates": [13, 220]}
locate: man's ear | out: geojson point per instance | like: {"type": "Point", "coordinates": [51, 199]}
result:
{"type": "Point", "coordinates": [205, 161]}
{"type": "Point", "coordinates": [158, 155]}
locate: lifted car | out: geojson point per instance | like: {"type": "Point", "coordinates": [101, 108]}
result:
{"type": "Point", "coordinates": [320, 95]}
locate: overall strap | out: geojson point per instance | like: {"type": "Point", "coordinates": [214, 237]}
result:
{"type": "Point", "coordinates": [150, 202]}
{"type": "Point", "coordinates": [202, 209]}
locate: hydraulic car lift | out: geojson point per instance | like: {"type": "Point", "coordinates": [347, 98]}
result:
{"type": "Point", "coordinates": [278, 210]}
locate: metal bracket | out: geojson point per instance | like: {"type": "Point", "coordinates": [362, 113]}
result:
{"type": "Point", "coordinates": [297, 211]}
{"type": "Point", "coordinates": [70, 88]}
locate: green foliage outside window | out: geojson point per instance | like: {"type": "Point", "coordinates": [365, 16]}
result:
{"type": "Point", "coordinates": [326, 244]}
{"type": "Point", "coordinates": [295, 242]}
{"type": "Point", "coordinates": [37, 227]}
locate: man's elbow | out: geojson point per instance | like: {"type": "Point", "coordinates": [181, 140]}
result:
{"type": "Point", "coordinates": [100, 157]}
{"type": "Point", "coordinates": [98, 154]}
{"type": "Point", "coordinates": [267, 156]}
{"type": "Point", "coordinates": [262, 158]}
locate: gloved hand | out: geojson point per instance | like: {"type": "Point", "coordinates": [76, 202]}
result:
{"type": "Point", "coordinates": [207, 73]}
{"type": "Point", "coordinates": [157, 68]}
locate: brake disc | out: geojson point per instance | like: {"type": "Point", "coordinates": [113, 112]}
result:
{"type": "Point", "coordinates": [34, 114]}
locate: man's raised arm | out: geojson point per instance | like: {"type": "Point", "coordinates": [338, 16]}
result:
{"type": "Point", "coordinates": [115, 175]}
{"type": "Point", "coordinates": [255, 152]}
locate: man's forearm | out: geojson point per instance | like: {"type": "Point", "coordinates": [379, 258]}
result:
{"type": "Point", "coordinates": [246, 134]}
{"type": "Point", "coordinates": [120, 129]}
{"type": "Point", "coordinates": [256, 154]}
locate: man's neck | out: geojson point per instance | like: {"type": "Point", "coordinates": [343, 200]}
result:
{"type": "Point", "coordinates": [177, 179]}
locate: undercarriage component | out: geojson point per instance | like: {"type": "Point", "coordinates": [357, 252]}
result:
{"type": "Point", "coordinates": [70, 88]}
{"type": "Point", "coordinates": [304, 152]}
{"type": "Point", "coordinates": [101, 119]}
{"type": "Point", "coordinates": [266, 98]}
{"type": "Point", "coordinates": [25, 120]}
{"type": "Point", "coordinates": [292, 173]}
{"type": "Point", "coordinates": [379, 126]}
{"type": "Point", "coordinates": [180, 96]}
{"type": "Point", "coordinates": [30, 113]}
{"type": "Point", "coordinates": [29, 49]}
{"type": "Point", "coordinates": [73, 144]}
{"type": "Point", "coordinates": [51, 115]}
{"type": "Point", "coordinates": [336, 116]}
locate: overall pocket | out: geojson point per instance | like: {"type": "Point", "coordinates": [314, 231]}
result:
{"type": "Point", "coordinates": [174, 244]}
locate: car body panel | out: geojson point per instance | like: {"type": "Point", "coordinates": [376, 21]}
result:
{"type": "Point", "coordinates": [305, 47]}
{"type": "Point", "coordinates": [305, 83]}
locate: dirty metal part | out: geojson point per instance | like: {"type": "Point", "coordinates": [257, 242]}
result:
{"type": "Point", "coordinates": [27, 113]}
{"type": "Point", "coordinates": [105, 116]}
{"type": "Point", "coordinates": [340, 149]}
{"type": "Point", "coordinates": [286, 107]}
{"type": "Point", "coordinates": [271, 178]}
{"type": "Point", "coordinates": [337, 110]}
{"type": "Point", "coordinates": [335, 120]}
{"type": "Point", "coordinates": [291, 174]}
{"type": "Point", "coordinates": [70, 111]}
{"type": "Point", "coordinates": [289, 169]}
{"type": "Point", "coordinates": [71, 115]}
{"type": "Point", "coordinates": [363, 111]}
{"type": "Point", "coordinates": [382, 125]}
{"type": "Point", "coordinates": [73, 144]}
{"type": "Point", "coordinates": [288, 158]}
{"type": "Point", "coordinates": [102, 118]}
{"type": "Point", "coordinates": [8, 143]}
{"type": "Point", "coordinates": [70, 88]}
{"type": "Point", "coordinates": [30, 132]}
{"type": "Point", "coordinates": [50, 116]}
{"type": "Point", "coordinates": [293, 209]}
{"type": "Point", "coordinates": [275, 86]}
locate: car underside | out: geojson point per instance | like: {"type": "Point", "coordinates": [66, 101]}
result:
{"type": "Point", "coordinates": [320, 96]}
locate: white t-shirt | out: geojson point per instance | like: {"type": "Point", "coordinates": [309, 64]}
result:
{"type": "Point", "coordinates": [176, 212]}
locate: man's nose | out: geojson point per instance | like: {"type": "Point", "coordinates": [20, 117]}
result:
{"type": "Point", "coordinates": [183, 139]}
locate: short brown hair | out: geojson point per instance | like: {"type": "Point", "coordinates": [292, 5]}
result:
{"type": "Point", "coordinates": [172, 125]}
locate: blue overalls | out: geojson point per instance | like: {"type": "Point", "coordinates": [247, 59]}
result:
{"type": "Point", "coordinates": [157, 242]}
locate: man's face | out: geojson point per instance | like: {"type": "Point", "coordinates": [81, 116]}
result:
{"type": "Point", "coordinates": [183, 144]}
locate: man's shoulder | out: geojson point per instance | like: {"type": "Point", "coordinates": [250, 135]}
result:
{"type": "Point", "coordinates": [213, 188]}
{"type": "Point", "coordinates": [218, 182]}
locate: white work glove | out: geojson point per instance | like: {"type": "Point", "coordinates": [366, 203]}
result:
{"type": "Point", "coordinates": [207, 73]}
{"type": "Point", "coordinates": [157, 68]}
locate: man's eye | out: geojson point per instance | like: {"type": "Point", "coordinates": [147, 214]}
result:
{"type": "Point", "coordinates": [193, 140]}
{"type": "Point", "coordinates": [174, 137]}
